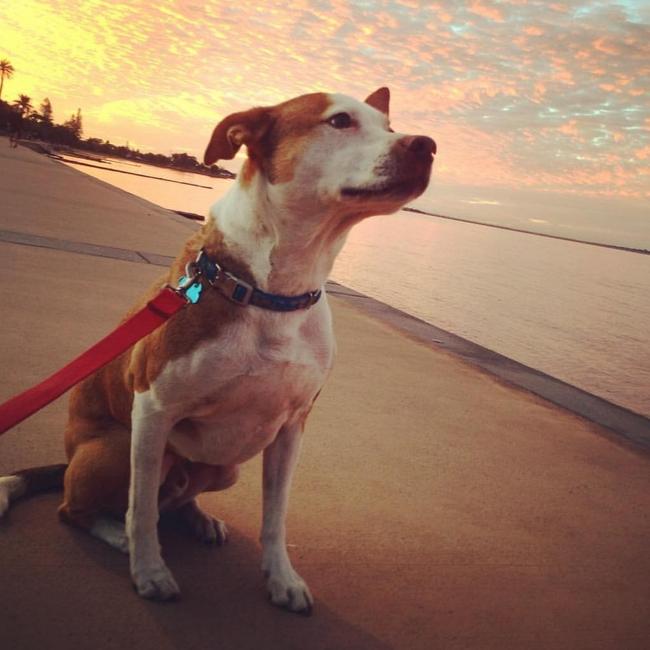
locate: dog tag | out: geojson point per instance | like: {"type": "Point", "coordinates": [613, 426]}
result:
{"type": "Point", "coordinates": [193, 292]}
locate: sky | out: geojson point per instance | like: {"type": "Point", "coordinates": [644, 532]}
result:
{"type": "Point", "coordinates": [541, 110]}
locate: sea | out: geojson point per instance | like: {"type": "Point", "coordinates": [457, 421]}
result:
{"type": "Point", "coordinates": [577, 312]}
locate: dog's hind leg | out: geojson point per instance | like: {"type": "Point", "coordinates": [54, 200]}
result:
{"type": "Point", "coordinates": [96, 485]}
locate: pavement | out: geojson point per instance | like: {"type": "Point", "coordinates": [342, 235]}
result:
{"type": "Point", "coordinates": [435, 505]}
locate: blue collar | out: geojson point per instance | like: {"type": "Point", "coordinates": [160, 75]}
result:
{"type": "Point", "coordinates": [236, 290]}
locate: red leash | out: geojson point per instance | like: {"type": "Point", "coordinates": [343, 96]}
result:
{"type": "Point", "coordinates": [149, 318]}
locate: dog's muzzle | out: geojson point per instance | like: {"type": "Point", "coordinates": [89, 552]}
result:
{"type": "Point", "coordinates": [406, 171]}
{"type": "Point", "coordinates": [419, 145]}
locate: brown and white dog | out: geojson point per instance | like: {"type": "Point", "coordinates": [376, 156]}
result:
{"type": "Point", "coordinates": [221, 382]}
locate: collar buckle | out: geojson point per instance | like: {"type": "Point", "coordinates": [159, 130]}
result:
{"type": "Point", "coordinates": [233, 288]}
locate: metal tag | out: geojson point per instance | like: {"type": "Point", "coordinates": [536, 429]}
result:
{"type": "Point", "coordinates": [192, 292]}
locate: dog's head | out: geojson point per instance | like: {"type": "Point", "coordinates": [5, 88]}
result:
{"type": "Point", "coordinates": [327, 149]}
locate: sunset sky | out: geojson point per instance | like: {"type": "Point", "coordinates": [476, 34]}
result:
{"type": "Point", "coordinates": [539, 109]}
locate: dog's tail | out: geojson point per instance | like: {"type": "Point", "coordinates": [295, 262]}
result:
{"type": "Point", "coordinates": [28, 482]}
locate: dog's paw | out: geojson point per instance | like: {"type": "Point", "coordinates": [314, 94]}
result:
{"type": "Point", "coordinates": [211, 531]}
{"type": "Point", "coordinates": [156, 584]}
{"type": "Point", "coordinates": [112, 532]}
{"type": "Point", "coordinates": [291, 592]}
{"type": "Point", "coordinates": [205, 528]}
{"type": "Point", "coordinates": [118, 542]}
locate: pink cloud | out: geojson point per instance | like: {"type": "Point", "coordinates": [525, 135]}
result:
{"type": "Point", "coordinates": [486, 10]}
{"type": "Point", "coordinates": [643, 153]}
{"type": "Point", "coordinates": [569, 128]}
{"type": "Point", "coordinates": [563, 75]}
{"type": "Point", "coordinates": [606, 45]}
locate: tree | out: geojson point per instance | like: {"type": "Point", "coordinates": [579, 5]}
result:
{"type": "Point", "coordinates": [24, 104]}
{"type": "Point", "coordinates": [184, 160]}
{"type": "Point", "coordinates": [46, 111]}
{"type": "Point", "coordinates": [74, 124]}
{"type": "Point", "coordinates": [6, 70]}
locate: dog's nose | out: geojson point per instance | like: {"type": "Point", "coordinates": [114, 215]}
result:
{"type": "Point", "coordinates": [419, 144]}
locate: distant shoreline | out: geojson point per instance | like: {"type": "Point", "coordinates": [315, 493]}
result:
{"type": "Point", "coordinates": [190, 215]}
{"type": "Point", "coordinates": [641, 251]}
{"type": "Point", "coordinates": [122, 171]}
{"type": "Point", "coordinates": [59, 151]}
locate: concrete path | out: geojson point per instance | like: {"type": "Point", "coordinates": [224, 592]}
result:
{"type": "Point", "coordinates": [434, 506]}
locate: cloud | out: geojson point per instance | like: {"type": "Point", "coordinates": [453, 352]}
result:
{"type": "Point", "coordinates": [518, 94]}
{"type": "Point", "coordinates": [487, 10]}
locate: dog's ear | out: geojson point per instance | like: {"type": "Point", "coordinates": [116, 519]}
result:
{"type": "Point", "coordinates": [379, 99]}
{"type": "Point", "coordinates": [247, 127]}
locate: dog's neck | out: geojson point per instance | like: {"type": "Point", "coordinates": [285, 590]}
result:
{"type": "Point", "coordinates": [289, 248]}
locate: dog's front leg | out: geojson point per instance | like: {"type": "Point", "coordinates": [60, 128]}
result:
{"type": "Point", "coordinates": [286, 587]}
{"type": "Point", "coordinates": [150, 428]}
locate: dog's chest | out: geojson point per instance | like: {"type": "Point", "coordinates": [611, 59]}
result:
{"type": "Point", "coordinates": [233, 394]}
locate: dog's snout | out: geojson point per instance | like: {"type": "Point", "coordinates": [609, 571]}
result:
{"type": "Point", "coordinates": [419, 144]}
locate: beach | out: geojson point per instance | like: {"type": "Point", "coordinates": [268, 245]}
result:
{"type": "Point", "coordinates": [436, 504]}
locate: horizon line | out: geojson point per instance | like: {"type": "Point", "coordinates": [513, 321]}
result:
{"type": "Point", "coordinates": [627, 249]}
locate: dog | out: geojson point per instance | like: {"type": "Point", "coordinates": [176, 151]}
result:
{"type": "Point", "coordinates": [237, 373]}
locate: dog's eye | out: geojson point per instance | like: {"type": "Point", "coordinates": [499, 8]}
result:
{"type": "Point", "coordinates": [340, 121]}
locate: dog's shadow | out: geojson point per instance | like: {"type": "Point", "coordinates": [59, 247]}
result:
{"type": "Point", "coordinates": [80, 587]}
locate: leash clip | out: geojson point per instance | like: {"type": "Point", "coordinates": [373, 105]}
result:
{"type": "Point", "coordinates": [230, 286]}
{"type": "Point", "coordinates": [189, 285]}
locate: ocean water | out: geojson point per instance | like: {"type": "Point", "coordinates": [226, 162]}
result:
{"type": "Point", "coordinates": [577, 312]}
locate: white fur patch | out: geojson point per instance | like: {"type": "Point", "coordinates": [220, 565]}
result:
{"type": "Point", "coordinates": [112, 532]}
{"type": "Point", "coordinates": [249, 240]}
{"type": "Point", "coordinates": [232, 395]}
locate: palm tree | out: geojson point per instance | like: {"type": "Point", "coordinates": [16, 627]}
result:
{"type": "Point", "coordinates": [24, 103]}
{"type": "Point", "coordinates": [6, 70]}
